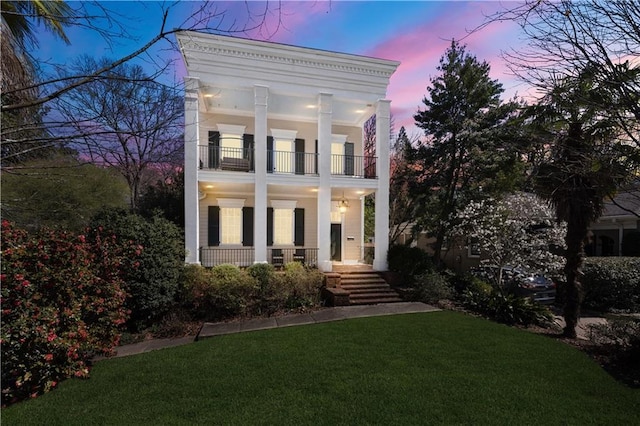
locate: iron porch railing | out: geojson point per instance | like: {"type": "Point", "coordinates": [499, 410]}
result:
{"type": "Point", "coordinates": [244, 257]}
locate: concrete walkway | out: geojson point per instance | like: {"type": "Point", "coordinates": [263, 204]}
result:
{"type": "Point", "coordinates": [323, 315]}
{"type": "Point", "coordinates": [315, 317]}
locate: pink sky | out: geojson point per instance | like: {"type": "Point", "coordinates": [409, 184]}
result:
{"type": "Point", "coordinates": [414, 33]}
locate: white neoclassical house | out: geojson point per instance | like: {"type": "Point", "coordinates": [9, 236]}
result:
{"type": "Point", "coordinates": [275, 167]}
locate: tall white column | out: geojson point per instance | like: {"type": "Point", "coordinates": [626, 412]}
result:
{"type": "Point", "coordinates": [383, 118]}
{"type": "Point", "coordinates": [325, 105]}
{"type": "Point", "coordinates": [191, 196]}
{"type": "Point", "coordinates": [260, 156]}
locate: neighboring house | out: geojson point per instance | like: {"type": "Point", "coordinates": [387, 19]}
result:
{"type": "Point", "coordinates": [274, 163]}
{"type": "Point", "coordinates": [619, 219]}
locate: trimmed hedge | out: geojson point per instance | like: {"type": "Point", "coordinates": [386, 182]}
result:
{"type": "Point", "coordinates": [612, 284]}
{"type": "Point", "coordinates": [227, 291]}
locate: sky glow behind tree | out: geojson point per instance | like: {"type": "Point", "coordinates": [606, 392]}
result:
{"type": "Point", "coordinates": [414, 33]}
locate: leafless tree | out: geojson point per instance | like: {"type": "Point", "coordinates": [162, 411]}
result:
{"type": "Point", "coordinates": [124, 120]}
{"type": "Point", "coordinates": [565, 37]}
{"type": "Point", "coordinates": [33, 97]}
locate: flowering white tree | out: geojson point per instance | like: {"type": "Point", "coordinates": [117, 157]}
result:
{"type": "Point", "coordinates": [519, 230]}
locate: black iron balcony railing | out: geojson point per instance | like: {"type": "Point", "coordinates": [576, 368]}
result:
{"type": "Point", "coordinates": [221, 158]}
{"type": "Point", "coordinates": [285, 162]}
{"type": "Point", "coordinates": [299, 163]}
{"type": "Point", "coordinates": [243, 257]}
{"type": "Point", "coordinates": [362, 166]}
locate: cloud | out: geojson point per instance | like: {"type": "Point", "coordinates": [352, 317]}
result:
{"type": "Point", "coordinates": [420, 48]}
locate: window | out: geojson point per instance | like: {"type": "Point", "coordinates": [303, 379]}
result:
{"type": "Point", "coordinates": [283, 154]}
{"type": "Point", "coordinates": [337, 154]}
{"type": "Point", "coordinates": [283, 221]}
{"type": "Point", "coordinates": [473, 250]}
{"type": "Point", "coordinates": [283, 226]}
{"type": "Point", "coordinates": [230, 220]}
{"type": "Point", "coordinates": [231, 145]}
{"type": "Point", "coordinates": [230, 226]}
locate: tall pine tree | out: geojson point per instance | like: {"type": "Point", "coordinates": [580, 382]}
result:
{"type": "Point", "coordinates": [469, 147]}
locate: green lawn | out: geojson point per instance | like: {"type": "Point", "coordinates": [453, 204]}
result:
{"type": "Point", "coordinates": [431, 368]}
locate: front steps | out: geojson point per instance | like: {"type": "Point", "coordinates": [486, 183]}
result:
{"type": "Point", "coordinates": [367, 288]}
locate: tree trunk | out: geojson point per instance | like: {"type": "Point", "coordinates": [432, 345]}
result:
{"type": "Point", "coordinates": [576, 234]}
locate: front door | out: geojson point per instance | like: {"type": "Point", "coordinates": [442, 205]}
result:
{"type": "Point", "coordinates": [336, 242]}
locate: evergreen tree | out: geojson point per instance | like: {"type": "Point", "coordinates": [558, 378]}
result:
{"type": "Point", "coordinates": [470, 150]}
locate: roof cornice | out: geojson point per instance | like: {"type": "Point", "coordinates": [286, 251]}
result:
{"type": "Point", "coordinates": [200, 48]}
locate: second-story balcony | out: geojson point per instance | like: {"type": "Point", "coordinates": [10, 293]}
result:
{"type": "Point", "coordinates": [285, 162]}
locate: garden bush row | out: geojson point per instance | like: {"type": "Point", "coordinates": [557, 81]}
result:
{"type": "Point", "coordinates": [227, 291]}
{"type": "Point", "coordinates": [612, 284]}
{"type": "Point", "coordinates": [431, 286]}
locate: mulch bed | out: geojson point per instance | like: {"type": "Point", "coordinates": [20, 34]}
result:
{"type": "Point", "coordinates": [620, 364]}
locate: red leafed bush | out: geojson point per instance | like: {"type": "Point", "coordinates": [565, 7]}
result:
{"type": "Point", "coordinates": [62, 303]}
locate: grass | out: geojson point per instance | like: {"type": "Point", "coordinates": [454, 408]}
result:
{"type": "Point", "coordinates": [432, 368]}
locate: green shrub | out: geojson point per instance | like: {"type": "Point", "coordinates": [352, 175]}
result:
{"type": "Point", "coordinates": [431, 287]}
{"type": "Point", "coordinates": [506, 308]}
{"type": "Point", "coordinates": [267, 297]}
{"type": "Point", "coordinates": [408, 261]}
{"type": "Point", "coordinates": [221, 292]}
{"type": "Point", "coordinates": [301, 286]}
{"type": "Point", "coordinates": [462, 282]}
{"type": "Point", "coordinates": [226, 291]}
{"type": "Point", "coordinates": [612, 284]}
{"type": "Point", "coordinates": [152, 274]}
{"type": "Point", "coordinates": [622, 334]}
{"type": "Point", "coordinates": [62, 303]}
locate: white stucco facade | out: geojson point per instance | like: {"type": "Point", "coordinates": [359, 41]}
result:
{"type": "Point", "coordinates": [274, 148]}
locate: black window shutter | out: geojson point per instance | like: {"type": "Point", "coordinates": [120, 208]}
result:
{"type": "Point", "coordinates": [247, 226]}
{"type": "Point", "coordinates": [214, 226]}
{"type": "Point", "coordinates": [214, 149]}
{"type": "Point", "coordinates": [270, 154]}
{"type": "Point", "coordinates": [299, 147]}
{"type": "Point", "coordinates": [248, 147]}
{"type": "Point", "coordinates": [316, 160]}
{"type": "Point", "coordinates": [348, 159]}
{"type": "Point", "coordinates": [298, 236]}
{"type": "Point", "coordinates": [269, 226]}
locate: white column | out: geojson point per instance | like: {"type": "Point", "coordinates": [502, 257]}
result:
{"type": "Point", "coordinates": [260, 156]}
{"type": "Point", "coordinates": [191, 196]}
{"type": "Point", "coordinates": [383, 117]}
{"type": "Point", "coordinates": [361, 229]}
{"type": "Point", "coordinates": [620, 238]}
{"type": "Point", "coordinates": [325, 105]}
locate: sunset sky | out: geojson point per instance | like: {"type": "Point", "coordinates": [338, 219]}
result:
{"type": "Point", "coordinates": [414, 33]}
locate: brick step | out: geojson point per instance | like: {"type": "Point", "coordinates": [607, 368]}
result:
{"type": "Point", "coordinates": [360, 288]}
{"type": "Point", "coordinates": [373, 298]}
{"type": "Point", "coordinates": [367, 288]}
{"type": "Point", "coordinates": [363, 282]}
{"type": "Point", "coordinates": [359, 274]}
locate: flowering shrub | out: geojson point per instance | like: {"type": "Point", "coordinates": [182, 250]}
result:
{"type": "Point", "coordinates": [62, 303]}
{"type": "Point", "coordinates": [519, 230]}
